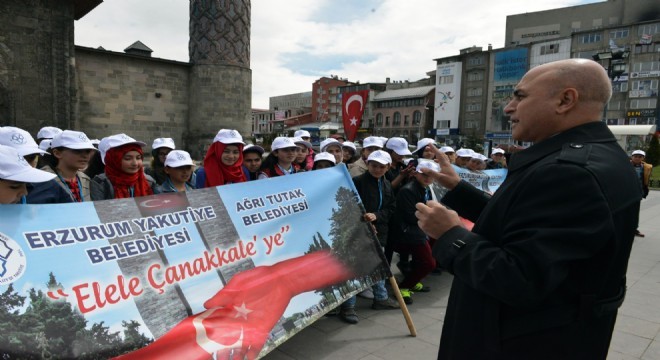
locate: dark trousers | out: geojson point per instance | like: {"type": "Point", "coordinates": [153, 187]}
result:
{"type": "Point", "coordinates": [422, 262]}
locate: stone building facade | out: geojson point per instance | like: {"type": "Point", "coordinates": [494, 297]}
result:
{"type": "Point", "coordinates": [46, 80]}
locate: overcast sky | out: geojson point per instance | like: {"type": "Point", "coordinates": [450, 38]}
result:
{"type": "Point", "coordinates": [294, 42]}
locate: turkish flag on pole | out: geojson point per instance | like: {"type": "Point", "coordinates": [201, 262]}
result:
{"type": "Point", "coordinates": [352, 108]}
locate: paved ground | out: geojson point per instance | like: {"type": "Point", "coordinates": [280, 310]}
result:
{"type": "Point", "coordinates": [383, 335]}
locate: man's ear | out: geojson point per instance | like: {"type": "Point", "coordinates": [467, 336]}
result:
{"type": "Point", "coordinates": [568, 98]}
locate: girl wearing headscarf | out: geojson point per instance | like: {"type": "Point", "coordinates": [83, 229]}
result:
{"type": "Point", "coordinates": [223, 163]}
{"type": "Point", "coordinates": [124, 175]}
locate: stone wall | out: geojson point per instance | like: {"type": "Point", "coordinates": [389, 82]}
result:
{"type": "Point", "coordinates": [36, 69]}
{"type": "Point", "coordinates": [143, 97]}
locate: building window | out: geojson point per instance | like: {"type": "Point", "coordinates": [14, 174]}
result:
{"type": "Point", "coordinates": [549, 49]}
{"type": "Point", "coordinates": [474, 91]}
{"type": "Point", "coordinates": [449, 79]}
{"type": "Point", "coordinates": [647, 48]}
{"type": "Point", "coordinates": [387, 121]}
{"type": "Point", "coordinates": [620, 87]}
{"type": "Point", "coordinates": [619, 34]}
{"type": "Point", "coordinates": [473, 107]}
{"type": "Point", "coordinates": [590, 38]}
{"type": "Point", "coordinates": [476, 60]}
{"type": "Point", "coordinates": [646, 66]}
{"type": "Point", "coordinates": [379, 119]}
{"type": "Point", "coordinates": [649, 29]}
{"type": "Point", "coordinates": [475, 76]}
{"type": "Point", "coordinates": [396, 121]}
{"type": "Point", "coordinates": [575, 26]}
{"type": "Point", "coordinates": [586, 54]}
{"type": "Point", "coordinates": [644, 85]}
{"type": "Point", "coordinates": [650, 103]}
{"type": "Point", "coordinates": [417, 118]}
{"type": "Point", "coordinates": [442, 124]}
{"type": "Point", "coordinates": [615, 105]}
{"type": "Point", "coordinates": [406, 120]}
{"type": "Point", "coordinates": [596, 23]}
{"type": "Point", "coordinates": [472, 124]}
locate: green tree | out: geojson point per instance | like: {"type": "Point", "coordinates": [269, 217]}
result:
{"type": "Point", "coordinates": [653, 151]}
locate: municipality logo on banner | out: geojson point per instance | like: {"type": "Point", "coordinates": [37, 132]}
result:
{"type": "Point", "coordinates": [232, 271]}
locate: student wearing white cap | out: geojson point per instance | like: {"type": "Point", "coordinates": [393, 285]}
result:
{"type": "Point", "coordinates": [332, 146]}
{"type": "Point", "coordinates": [124, 175]}
{"type": "Point", "coordinates": [398, 174]}
{"type": "Point", "coordinates": [379, 203]}
{"type": "Point", "coordinates": [71, 152]}
{"type": "Point", "coordinates": [450, 152]}
{"type": "Point", "coordinates": [477, 162]}
{"type": "Point", "coordinates": [463, 157]}
{"type": "Point", "coordinates": [423, 150]}
{"type": "Point", "coordinates": [15, 173]}
{"type": "Point", "coordinates": [252, 159]}
{"type": "Point", "coordinates": [24, 144]}
{"type": "Point", "coordinates": [48, 132]}
{"type": "Point", "coordinates": [643, 171]}
{"type": "Point", "coordinates": [280, 160]}
{"type": "Point", "coordinates": [159, 150]}
{"type": "Point", "coordinates": [349, 152]}
{"type": "Point", "coordinates": [369, 145]}
{"type": "Point", "coordinates": [323, 160]}
{"type": "Point", "coordinates": [497, 159]}
{"type": "Point", "coordinates": [179, 168]}
{"type": "Point", "coordinates": [303, 162]}
{"type": "Point", "coordinates": [407, 236]}
{"type": "Point", "coordinates": [306, 136]}
{"type": "Point", "coordinates": [223, 163]}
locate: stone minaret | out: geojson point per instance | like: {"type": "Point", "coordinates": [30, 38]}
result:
{"type": "Point", "coordinates": [220, 79]}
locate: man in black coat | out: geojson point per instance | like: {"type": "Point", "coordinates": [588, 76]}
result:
{"type": "Point", "coordinates": [542, 273]}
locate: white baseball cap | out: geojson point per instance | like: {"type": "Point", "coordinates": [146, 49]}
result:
{"type": "Point", "coordinates": [398, 145]}
{"type": "Point", "coordinates": [446, 149]}
{"type": "Point", "coordinates": [382, 139]}
{"type": "Point", "coordinates": [299, 141]}
{"type": "Point", "coordinates": [639, 152]}
{"type": "Point", "coordinates": [163, 142]}
{"type": "Point", "coordinates": [177, 158]}
{"type": "Point", "coordinates": [282, 142]}
{"type": "Point", "coordinates": [15, 168]}
{"type": "Point", "coordinates": [465, 153]}
{"type": "Point", "coordinates": [48, 132]}
{"type": "Point", "coordinates": [325, 156]}
{"type": "Point", "coordinates": [20, 140]}
{"type": "Point", "coordinates": [422, 143]}
{"type": "Point", "coordinates": [45, 144]}
{"type": "Point", "coordinates": [372, 141]}
{"type": "Point", "coordinates": [480, 157]}
{"type": "Point", "coordinates": [497, 151]}
{"type": "Point", "coordinates": [70, 139]}
{"type": "Point", "coordinates": [114, 141]}
{"type": "Point", "coordinates": [254, 148]}
{"type": "Point", "coordinates": [427, 164]}
{"type": "Point", "coordinates": [229, 136]}
{"type": "Point", "coordinates": [328, 142]}
{"type": "Point", "coordinates": [380, 156]}
{"type": "Point", "coordinates": [301, 133]}
{"type": "Point", "coordinates": [349, 144]}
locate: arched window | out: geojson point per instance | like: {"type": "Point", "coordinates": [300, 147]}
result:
{"type": "Point", "coordinates": [379, 120]}
{"type": "Point", "coordinates": [397, 119]}
{"type": "Point", "coordinates": [417, 118]}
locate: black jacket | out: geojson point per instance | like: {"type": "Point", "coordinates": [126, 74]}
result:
{"type": "Point", "coordinates": [367, 188]}
{"type": "Point", "coordinates": [404, 228]}
{"type": "Point", "coordinates": [542, 272]}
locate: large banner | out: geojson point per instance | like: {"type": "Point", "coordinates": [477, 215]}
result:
{"type": "Point", "coordinates": [223, 272]}
{"type": "Point", "coordinates": [485, 180]}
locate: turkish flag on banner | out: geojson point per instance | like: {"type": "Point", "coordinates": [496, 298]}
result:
{"type": "Point", "coordinates": [352, 108]}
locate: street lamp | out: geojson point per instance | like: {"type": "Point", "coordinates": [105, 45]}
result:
{"type": "Point", "coordinates": [616, 66]}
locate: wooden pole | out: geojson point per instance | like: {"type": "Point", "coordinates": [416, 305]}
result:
{"type": "Point", "coordinates": [404, 308]}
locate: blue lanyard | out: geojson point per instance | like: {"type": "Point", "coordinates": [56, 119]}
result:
{"type": "Point", "coordinates": [380, 192]}
{"type": "Point", "coordinates": [131, 191]}
{"type": "Point", "coordinates": [23, 199]}
{"type": "Point", "coordinates": [80, 192]}
{"type": "Point", "coordinates": [427, 195]}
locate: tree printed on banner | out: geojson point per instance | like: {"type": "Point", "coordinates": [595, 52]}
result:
{"type": "Point", "coordinates": [53, 329]}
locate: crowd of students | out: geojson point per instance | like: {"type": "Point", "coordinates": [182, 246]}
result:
{"type": "Point", "coordinates": [67, 166]}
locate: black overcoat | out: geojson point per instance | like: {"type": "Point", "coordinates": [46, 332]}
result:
{"type": "Point", "coordinates": [543, 270]}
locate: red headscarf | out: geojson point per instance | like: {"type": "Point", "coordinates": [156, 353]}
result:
{"type": "Point", "coordinates": [121, 181]}
{"type": "Point", "coordinates": [218, 173]}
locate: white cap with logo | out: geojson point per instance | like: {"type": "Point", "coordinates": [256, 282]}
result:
{"type": "Point", "coordinates": [427, 164]}
{"type": "Point", "coordinates": [299, 141]}
{"type": "Point", "coordinates": [229, 136]}
{"type": "Point", "coordinates": [114, 141]}
{"type": "Point", "coordinates": [20, 140]}
{"type": "Point", "coordinates": [177, 158]}
{"type": "Point", "coordinates": [301, 133]}
{"type": "Point", "coordinates": [639, 152]}
{"type": "Point", "coordinates": [373, 141]}
{"type": "Point", "coordinates": [422, 143]}
{"type": "Point", "coordinates": [48, 132]}
{"type": "Point", "coordinates": [380, 156]}
{"type": "Point", "coordinates": [446, 149]}
{"type": "Point", "coordinates": [497, 151]}
{"type": "Point", "coordinates": [328, 142]}
{"type": "Point", "coordinates": [163, 142]}
{"type": "Point", "coordinates": [70, 139]}
{"type": "Point", "coordinates": [14, 167]}
{"type": "Point", "coordinates": [399, 145]}
{"type": "Point", "coordinates": [324, 156]}
{"type": "Point", "coordinates": [282, 142]}
{"type": "Point", "coordinates": [465, 153]}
